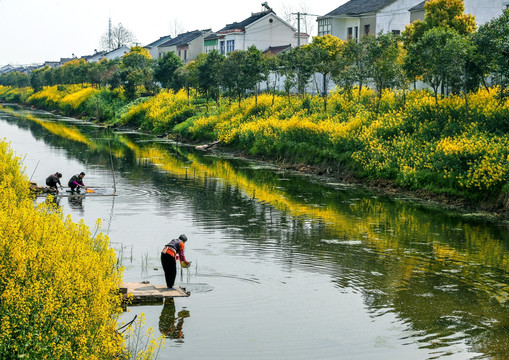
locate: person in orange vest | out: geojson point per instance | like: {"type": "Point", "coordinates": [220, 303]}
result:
{"type": "Point", "coordinates": [172, 252]}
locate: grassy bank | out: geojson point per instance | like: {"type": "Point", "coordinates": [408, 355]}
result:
{"type": "Point", "coordinates": [409, 139]}
{"type": "Point", "coordinates": [58, 282]}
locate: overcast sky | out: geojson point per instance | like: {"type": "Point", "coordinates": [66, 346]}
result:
{"type": "Point", "coordinates": [34, 31]}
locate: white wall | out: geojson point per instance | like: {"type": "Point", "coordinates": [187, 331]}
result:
{"type": "Point", "coordinates": [340, 26]}
{"type": "Point", "coordinates": [395, 16]}
{"type": "Point", "coordinates": [264, 33]}
{"type": "Point", "coordinates": [485, 10]}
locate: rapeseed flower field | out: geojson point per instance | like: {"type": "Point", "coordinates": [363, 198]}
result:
{"type": "Point", "coordinates": [59, 282]}
{"type": "Point", "coordinates": [406, 137]}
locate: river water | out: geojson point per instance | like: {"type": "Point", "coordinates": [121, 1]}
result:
{"type": "Point", "coordinates": [284, 266]}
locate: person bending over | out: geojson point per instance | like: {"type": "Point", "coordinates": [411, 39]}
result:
{"type": "Point", "coordinates": [53, 180]}
{"type": "Point", "coordinates": [76, 182]}
{"type": "Point", "coordinates": [172, 252]}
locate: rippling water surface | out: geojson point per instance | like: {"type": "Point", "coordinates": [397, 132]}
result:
{"type": "Point", "coordinates": [285, 266]}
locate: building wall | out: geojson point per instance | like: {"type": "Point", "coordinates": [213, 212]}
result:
{"type": "Point", "coordinates": [167, 49]}
{"type": "Point", "coordinates": [416, 15]}
{"type": "Point", "coordinates": [269, 31]}
{"type": "Point", "coordinates": [368, 20]}
{"type": "Point", "coordinates": [485, 10]}
{"type": "Point", "coordinates": [195, 48]}
{"type": "Point", "coordinates": [341, 25]}
{"type": "Point", "coordinates": [154, 52]}
{"type": "Point", "coordinates": [395, 16]}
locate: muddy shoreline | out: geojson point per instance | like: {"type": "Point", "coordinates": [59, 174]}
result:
{"type": "Point", "coordinates": [493, 210]}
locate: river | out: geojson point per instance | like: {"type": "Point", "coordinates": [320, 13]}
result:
{"type": "Point", "coordinates": [284, 265]}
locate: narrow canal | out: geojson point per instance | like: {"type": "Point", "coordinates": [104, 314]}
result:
{"type": "Point", "coordinates": [285, 266]}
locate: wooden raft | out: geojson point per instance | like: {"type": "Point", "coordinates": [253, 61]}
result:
{"type": "Point", "coordinates": [143, 293]}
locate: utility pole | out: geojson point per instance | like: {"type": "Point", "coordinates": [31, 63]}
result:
{"type": "Point", "coordinates": [110, 47]}
{"type": "Point", "coordinates": [299, 14]}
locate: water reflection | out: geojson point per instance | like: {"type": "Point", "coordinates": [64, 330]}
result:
{"type": "Point", "coordinates": [171, 325]}
{"type": "Point", "coordinates": [443, 275]}
{"type": "Point", "coordinates": [76, 202]}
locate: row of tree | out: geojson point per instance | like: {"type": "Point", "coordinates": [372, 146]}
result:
{"type": "Point", "coordinates": [444, 51]}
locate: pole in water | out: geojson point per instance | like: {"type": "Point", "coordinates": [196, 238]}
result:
{"type": "Point", "coordinates": [112, 169]}
{"type": "Point", "coordinates": [34, 170]}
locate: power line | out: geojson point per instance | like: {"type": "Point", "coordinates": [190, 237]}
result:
{"type": "Point", "coordinates": [299, 14]}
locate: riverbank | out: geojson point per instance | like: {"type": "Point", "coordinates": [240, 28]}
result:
{"type": "Point", "coordinates": [405, 143]}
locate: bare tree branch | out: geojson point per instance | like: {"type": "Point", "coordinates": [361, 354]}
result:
{"type": "Point", "coordinates": [120, 36]}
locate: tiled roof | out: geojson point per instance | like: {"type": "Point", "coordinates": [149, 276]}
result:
{"type": "Point", "coordinates": [212, 36]}
{"type": "Point", "coordinates": [273, 50]}
{"type": "Point", "coordinates": [418, 7]}
{"type": "Point", "coordinates": [184, 38]}
{"type": "Point", "coordinates": [158, 41]}
{"type": "Point", "coordinates": [242, 25]}
{"type": "Point", "coordinates": [358, 7]}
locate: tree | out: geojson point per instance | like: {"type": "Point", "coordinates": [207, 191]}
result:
{"type": "Point", "coordinates": [253, 69]}
{"type": "Point", "coordinates": [232, 74]}
{"type": "Point", "coordinates": [287, 71]}
{"type": "Point", "coordinates": [188, 77]}
{"type": "Point", "coordinates": [441, 56]}
{"type": "Point", "coordinates": [382, 56]}
{"type": "Point", "coordinates": [440, 13]}
{"type": "Point", "coordinates": [241, 71]}
{"type": "Point", "coordinates": [120, 36]}
{"type": "Point", "coordinates": [38, 78]}
{"type": "Point", "coordinates": [165, 70]}
{"type": "Point", "coordinates": [15, 79]}
{"type": "Point", "coordinates": [492, 55]}
{"type": "Point", "coordinates": [325, 50]}
{"type": "Point", "coordinates": [300, 67]}
{"type": "Point", "coordinates": [137, 72]}
{"type": "Point", "coordinates": [343, 67]}
{"type": "Point", "coordinates": [209, 75]}
{"type": "Point", "coordinates": [272, 73]}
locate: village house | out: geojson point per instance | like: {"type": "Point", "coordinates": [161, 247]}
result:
{"type": "Point", "coordinates": [262, 30]}
{"type": "Point", "coordinates": [483, 10]}
{"type": "Point", "coordinates": [187, 45]}
{"type": "Point", "coordinates": [361, 17]}
{"type": "Point", "coordinates": [153, 47]}
{"type": "Point", "coordinates": [110, 55]}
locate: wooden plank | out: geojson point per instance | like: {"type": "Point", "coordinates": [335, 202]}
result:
{"type": "Point", "coordinates": [143, 293]}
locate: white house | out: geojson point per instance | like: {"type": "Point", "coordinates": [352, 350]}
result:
{"type": "Point", "coordinates": [110, 55]}
{"type": "Point", "coordinates": [359, 17]}
{"type": "Point", "coordinates": [186, 45]}
{"type": "Point", "coordinates": [262, 30]}
{"type": "Point", "coordinates": [483, 10]}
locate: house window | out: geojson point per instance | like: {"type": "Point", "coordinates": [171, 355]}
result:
{"type": "Point", "coordinates": [367, 29]}
{"type": "Point", "coordinates": [349, 33]}
{"type": "Point", "coordinates": [179, 54]}
{"type": "Point", "coordinates": [324, 26]}
{"type": "Point", "coordinates": [230, 46]}
{"type": "Point", "coordinates": [356, 32]}
{"type": "Point", "coordinates": [221, 43]}
{"type": "Point", "coordinates": [185, 55]}
{"type": "Point", "coordinates": [396, 32]}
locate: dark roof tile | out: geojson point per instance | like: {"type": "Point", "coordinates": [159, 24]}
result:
{"type": "Point", "coordinates": [184, 38]}
{"type": "Point", "coordinates": [418, 7]}
{"type": "Point", "coordinates": [358, 7]}
{"type": "Point", "coordinates": [242, 25]}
